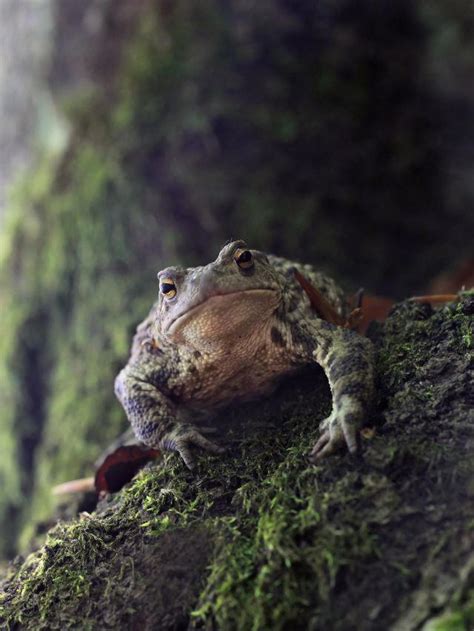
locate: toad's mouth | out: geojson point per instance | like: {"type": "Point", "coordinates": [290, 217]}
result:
{"type": "Point", "coordinates": [227, 303]}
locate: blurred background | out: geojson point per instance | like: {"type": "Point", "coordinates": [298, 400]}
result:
{"type": "Point", "coordinates": [137, 134]}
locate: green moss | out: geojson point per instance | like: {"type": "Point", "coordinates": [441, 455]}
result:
{"type": "Point", "coordinates": [459, 617]}
{"type": "Point", "coordinates": [447, 622]}
{"type": "Point", "coordinates": [465, 324]}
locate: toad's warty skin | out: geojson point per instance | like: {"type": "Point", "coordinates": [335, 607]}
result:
{"type": "Point", "coordinates": [227, 332]}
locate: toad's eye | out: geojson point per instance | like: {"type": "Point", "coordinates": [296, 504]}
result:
{"type": "Point", "coordinates": [168, 288]}
{"type": "Point", "coordinates": [243, 258]}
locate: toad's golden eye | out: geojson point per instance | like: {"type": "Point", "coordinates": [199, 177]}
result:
{"type": "Point", "coordinates": [168, 288]}
{"type": "Point", "coordinates": [243, 258]}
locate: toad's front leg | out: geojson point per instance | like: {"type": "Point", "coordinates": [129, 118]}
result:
{"type": "Point", "coordinates": [156, 420]}
{"type": "Point", "coordinates": [348, 361]}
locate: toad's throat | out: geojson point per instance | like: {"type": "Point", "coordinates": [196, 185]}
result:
{"type": "Point", "coordinates": [248, 302]}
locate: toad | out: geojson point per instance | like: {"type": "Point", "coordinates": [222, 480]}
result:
{"type": "Point", "coordinates": [228, 332]}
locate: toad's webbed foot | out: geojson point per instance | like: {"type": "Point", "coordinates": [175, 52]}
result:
{"type": "Point", "coordinates": [153, 417]}
{"type": "Point", "coordinates": [335, 434]}
{"type": "Point", "coordinates": [185, 436]}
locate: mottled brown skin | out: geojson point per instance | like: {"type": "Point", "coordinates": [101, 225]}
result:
{"type": "Point", "coordinates": [227, 332]}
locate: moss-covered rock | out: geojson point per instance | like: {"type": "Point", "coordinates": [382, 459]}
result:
{"type": "Point", "coordinates": [313, 130]}
{"type": "Point", "coordinates": [260, 539]}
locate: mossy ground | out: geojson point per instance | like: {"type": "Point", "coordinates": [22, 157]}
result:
{"type": "Point", "coordinates": [260, 539]}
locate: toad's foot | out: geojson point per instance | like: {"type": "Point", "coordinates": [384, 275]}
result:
{"type": "Point", "coordinates": [183, 437]}
{"type": "Point", "coordinates": [335, 433]}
